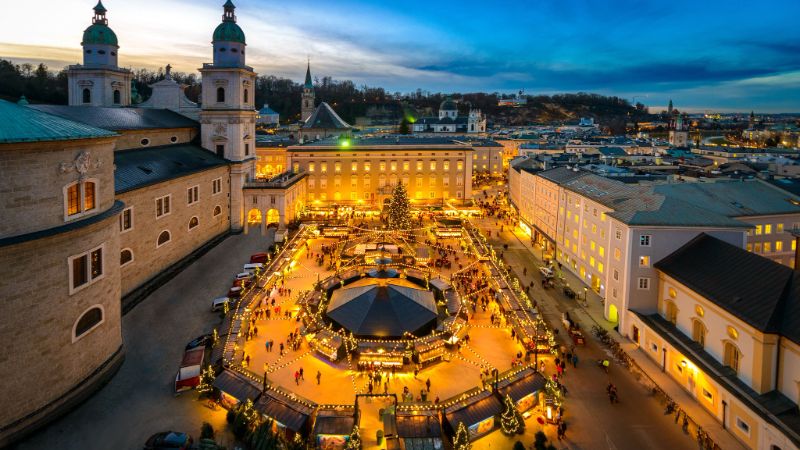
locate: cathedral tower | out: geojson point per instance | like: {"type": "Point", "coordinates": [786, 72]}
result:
{"type": "Point", "coordinates": [99, 81]}
{"type": "Point", "coordinates": [228, 116]}
{"type": "Point", "coordinates": [307, 106]}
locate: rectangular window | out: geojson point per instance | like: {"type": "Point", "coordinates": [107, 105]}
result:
{"type": "Point", "coordinates": [617, 254]}
{"type": "Point", "coordinates": [193, 194]}
{"type": "Point", "coordinates": [644, 240]}
{"type": "Point", "coordinates": [749, 247]}
{"type": "Point", "coordinates": [419, 164]}
{"type": "Point", "coordinates": [323, 183]}
{"type": "Point", "coordinates": [393, 166]}
{"type": "Point", "coordinates": [406, 166]}
{"type": "Point", "coordinates": [758, 247]}
{"type": "Point", "coordinates": [220, 150]}
{"type": "Point", "coordinates": [618, 234]}
{"type": "Point", "coordinates": [644, 261]}
{"type": "Point", "coordinates": [383, 166]}
{"type": "Point", "coordinates": [614, 292]}
{"type": "Point", "coordinates": [708, 396]}
{"type": "Point", "coordinates": [778, 246]}
{"type": "Point", "coordinates": [600, 267]}
{"type": "Point", "coordinates": [353, 195]}
{"type": "Point", "coordinates": [323, 167]}
{"type": "Point", "coordinates": [592, 245]}
{"type": "Point", "coordinates": [758, 229]}
{"type": "Point", "coordinates": [459, 181]}
{"type": "Point", "coordinates": [311, 167]}
{"type": "Point", "coordinates": [246, 149]}
{"type": "Point", "coordinates": [73, 199]}
{"type": "Point", "coordinates": [602, 251]}
{"type": "Point", "coordinates": [419, 181]}
{"type": "Point", "coordinates": [779, 228]}
{"type": "Point", "coordinates": [742, 425]}
{"type": "Point", "coordinates": [85, 268]}
{"type": "Point", "coordinates": [768, 229]}
{"type": "Point", "coordinates": [88, 196]}
{"type": "Point", "coordinates": [644, 283]}
{"type": "Point", "coordinates": [337, 167]}
{"type": "Point", "coordinates": [216, 186]}
{"type": "Point", "coordinates": [366, 182]}
{"type": "Point", "coordinates": [367, 166]}
{"type": "Point", "coordinates": [459, 165]}
{"type": "Point", "coordinates": [433, 165]}
{"type": "Point", "coordinates": [767, 247]}
{"type": "Point", "coordinates": [446, 165]}
{"type": "Point", "coordinates": [162, 206]}
{"type": "Point", "coordinates": [354, 166]}
{"type": "Point", "coordinates": [126, 220]}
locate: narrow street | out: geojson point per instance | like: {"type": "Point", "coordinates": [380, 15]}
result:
{"type": "Point", "coordinates": [638, 420]}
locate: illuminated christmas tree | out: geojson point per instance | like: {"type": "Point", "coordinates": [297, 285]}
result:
{"type": "Point", "coordinates": [399, 209]}
{"type": "Point", "coordinates": [354, 443]}
{"type": "Point", "coordinates": [461, 441]}
{"type": "Point", "coordinates": [206, 380]}
{"type": "Point", "coordinates": [510, 422]}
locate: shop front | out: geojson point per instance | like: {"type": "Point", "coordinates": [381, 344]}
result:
{"type": "Point", "coordinates": [477, 413]}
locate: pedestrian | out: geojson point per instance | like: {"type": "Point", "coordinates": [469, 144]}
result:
{"type": "Point", "coordinates": [319, 376]}
{"type": "Point", "coordinates": [428, 384]}
{"type": "Point", "coordinates": [416, 371]}
{"type": "Point", "coordinates": [564, 430]}
{"type": "Point", "coordinates": [301, 374]}
{"type": "Point", "coordinates": [559, 369]}
{"type": "Point", "coordinates": [574, 360]}
{"type": "Point", "coordinates": [297, 378]}
{"type": "Point", "coordinates": [559, 429]}
{"type": "Point", "coordinates": [386, 387]}
{"type": "Point", "coordinates": [281, 348]}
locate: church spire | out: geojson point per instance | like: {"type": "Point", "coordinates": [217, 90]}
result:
{"type": "Point", "coordinates": [100, 13]}
{"type": "Point", "coordinates": [228, 15]}
{"type": "Point", "coordinates": [308, 84]}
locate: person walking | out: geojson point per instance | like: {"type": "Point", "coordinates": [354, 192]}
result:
{"type": "Point", "coordinates": [574, 360]}
{"type": "Point", "coordinates": [319, 376]}
{"type": "Point", "coordinates": [428, 384]}
{"type": "Point", "coordinates": [297, 378]}
{"type": "Point", "coordinates": [301, 374]}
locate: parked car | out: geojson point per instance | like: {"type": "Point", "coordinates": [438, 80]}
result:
{"type": "Point", "coordinates": [546, 272]}
{"type": "Point", "coordinates": [188, 376]}
{"type": "Point", "coordinates": [259, 258]}
{"type": "Point", "coordinates": [168, 440]}
{"type": "Point", "coordinates": [235, 292]}
{"type": "Point", "coordinates": [245, 275]}
{"type": "Point", "coordinates": [242, 282]}
{"type": "Point", "coordinates": [199, 341]}
{"type": "Point", "coordinates": [219, 303]}
{"type": "Point", "coordinates": [253, 266]}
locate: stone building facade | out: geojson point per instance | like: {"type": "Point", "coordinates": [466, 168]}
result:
{"type": "Point", "coordinates": [60, 280]}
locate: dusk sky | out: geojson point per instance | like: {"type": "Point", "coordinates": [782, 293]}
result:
{"type": "Point", "coordinates": [704, 54]}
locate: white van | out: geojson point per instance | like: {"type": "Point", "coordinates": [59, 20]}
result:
{"type": "Point", "coordinates": [219, 303]}
{"type": "Point", "coordinates": [546, 272]}
{"type": "Point", "coordinates": [253, 266]}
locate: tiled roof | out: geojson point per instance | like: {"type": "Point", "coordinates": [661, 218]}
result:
{"type": "Point", "coordinates": [397, 140]}
{"type": "Point", "coordinates": [324, 117]}
{"type": "Point", "coordinates": [755, 289]}
{"type": "Point", "coordinates": [119, 119]}
{"type": "Point", "coordinates": [24, 124]}
{"type": "Point", "coordinates": [561, 175]}
{"type": "Point", "coordinates": [734, 198]}
{"type": "Point", "coordinates": [142, 167]}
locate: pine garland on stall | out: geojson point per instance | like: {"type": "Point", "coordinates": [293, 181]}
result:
{"type": "Point", "coordinates": [399, 209]}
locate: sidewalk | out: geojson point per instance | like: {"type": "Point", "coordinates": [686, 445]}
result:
{"type": "Point", "coordinates": [593, 314]}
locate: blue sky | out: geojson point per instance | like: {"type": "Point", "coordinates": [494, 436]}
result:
{"type": "Point", "coordinates": [704, 54]}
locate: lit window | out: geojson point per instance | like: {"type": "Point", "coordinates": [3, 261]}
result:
{"type": "Point", "coordinates": [446, 165]}
{"type": "Point", "coordinates": [367, 166]}
{"type": "Point", "coordinates": [602, 251]}
{"type": "Point", "coordinates": [419, 164]}
{"type": "Point", "coordinates": [433, 165]}
{"type": "Point", "coordinates": [699, 332]}
{"type": "Point", "coordinates": [779, 228]}
{"type": "Point", "coordinates": [354, 166]}
{"type": "Point", "coordinates": [323, 167]}
{"type": "Point", "coordinates": [644, 261]}
{"type": "Point", "coordinates": [459, 165]}
{"type": "Point", "coordinates": [80, 198]}
{"type": "Point", "coordinates": [768, 229]}
{"type": "Point", "coordinates": [337, 167]}
{"type": "Point", "coordinates": [758, 229]}
{"type": "Point", "coordinates": [758, 247]}
{"type": "Point", "coordinates": [671, 310]}
{"type": "Point", "coordinates": [794, 244]}
{"type": "Point", "coordinates": [85, 268]}
{"type": "Point", "coordinates": [591, 261]}
{"type": "Point", "coordinates": [592, 245]}
{"type": "Point", "coordinates": [393, 166]}
{"type": "Point", "coordinates": [406, 166]}
{"type": "Point", "coordinates": [767, 247]}
{"type": "Point", "coordinates": [311, 167]}
{"type": "Point", "coordinates": [382, 166]}
{"type": "Point", "coordinates": [749, 247]}
{"type": "Point", "coordinates": [600, 267]}
{"type": "Point", "coordinates": [617, 254]}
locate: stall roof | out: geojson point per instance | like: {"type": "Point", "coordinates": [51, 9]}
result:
{"type": "Point", "coordinates": [236, 385]}
{"type": "Point", "coordinates": [521, 384]}
{"type": "Point", "coordinates": [419, 425]}
{"type": "Point", "coordinates": [335, 421]}
{"type": "Point", "coordinates": [292, 414]}
{"type": "Point", "coordinates": [473, 410]}
{"type": "Point", "coordinates": [440, 284]}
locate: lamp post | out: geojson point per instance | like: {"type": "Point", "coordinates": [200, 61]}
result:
{"type": "Point", "coordinates": [585, 293]}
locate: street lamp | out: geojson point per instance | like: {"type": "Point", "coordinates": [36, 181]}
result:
{"type": "Point", "coordinates": [585, 292]}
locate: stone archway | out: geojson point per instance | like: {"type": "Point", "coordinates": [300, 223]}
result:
{"type": "Point", "coordinates": [273, 217]}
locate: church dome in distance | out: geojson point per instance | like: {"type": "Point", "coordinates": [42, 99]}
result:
{"type": "Point", "coordinates": [99, 33]}
{"type": "Point", "coordinates": [448, 105]}
{"type": "Point", "coordinates": [229, 31]}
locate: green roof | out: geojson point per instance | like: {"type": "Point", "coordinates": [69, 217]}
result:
{"type": "Point", "coordinates": [229, 31]}
{"type": "Point", "coordinates": [99, 33]}
{"type": "Point", "coordinates": [24, 124]}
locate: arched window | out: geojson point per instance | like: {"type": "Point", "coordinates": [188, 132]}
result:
{"type": "Point", "coordinates": [117, 97]}
{"type": "Point", "coordinates": [87, 95]}
{"type": "Point", "coordinates": [699, 332]}
{"type": "Point", "coordinates": [732, 356]}
{"type": "Point", "coordinates": [672, 313]}
{"type": "Point", "coordinates": [217, 210]}
{"type": "Point", "coordinates": [193, 222]}
{"type": "Point", "coordinates": [163, 238]}
{"type": "Point", "coordinates": [88, 321]}
{"type": "Point", "coordinates": [125, 257]}
{"type": "Point", "coordinates": [220, 95]}
{"type": "Point", "coordinates": [246, 96]}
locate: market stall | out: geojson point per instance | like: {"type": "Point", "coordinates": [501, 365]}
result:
{"type": "Point", "coordinates": [332, 427]}
{"type": "Point", "coordinates": [429, 349]}
{"type": "Point", "coordinates": [233, 388]}
{"type": "Point", "coordinates": [289, 416]}
{"type": "Point", "coordinates": [523, 387]}
{"type": "Point", "coordinates": [477, 413]}
{"type": "Point", "coordinates": [419, 430]}
{"type": "Point", "coordinates": [329, 344]}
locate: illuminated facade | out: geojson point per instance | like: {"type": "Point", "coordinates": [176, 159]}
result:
{"type": "Point", "coordinates": [362, 172]}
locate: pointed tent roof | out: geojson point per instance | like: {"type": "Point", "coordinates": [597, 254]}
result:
{"type": "Point", "coordinates": [308, 84]}
{"type": "Point", "coordinates": [324, 117]}
{"type": "Point", "coordinates": [382, 307]}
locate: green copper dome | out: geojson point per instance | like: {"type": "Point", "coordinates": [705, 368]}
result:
{"type": "Point", "coordinates": [229, 31]}
{"type": "Point", "coordinates": [99, 33]}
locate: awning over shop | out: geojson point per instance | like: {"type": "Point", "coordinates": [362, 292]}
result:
{"type": "Point", "coordinates": [521, 384]}
{"type": "Point", "coordinates": [335, 421]}
{"type": "Point", "coordinates": [473, 410]}
{"type": "Point", "coordinates": [424, 424]}
{"type": "Point", "coordinates": [236, 386]}
{"type": "Point", "coordinates": [290, 413]}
